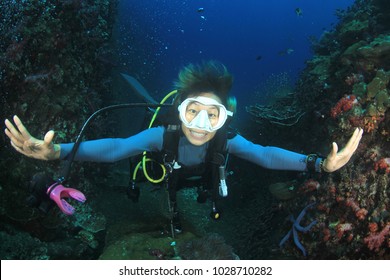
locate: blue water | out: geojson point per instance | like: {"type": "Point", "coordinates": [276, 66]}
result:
{"type": "Point", "coordinates": [158, 37]}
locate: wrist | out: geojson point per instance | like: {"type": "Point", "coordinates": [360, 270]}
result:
{"type": "Point", "coordinates": [319, 166]}
{"type": "Point", "coordinates": [314, 163]}
{"type": "Point", "coordinates": [323, 166]}
{"type": "Point", "coordinates": [57, 151]}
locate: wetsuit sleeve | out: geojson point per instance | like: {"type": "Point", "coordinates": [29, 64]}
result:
{"type": "Point", "coordinates": [114, 149]}
{"type": "Point", "coordinates": [267, 157]}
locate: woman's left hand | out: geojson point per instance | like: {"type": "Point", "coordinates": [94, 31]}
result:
{"type": "Point", "coordinates": [335, 160]}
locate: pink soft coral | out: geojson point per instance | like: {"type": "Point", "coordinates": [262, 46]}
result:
{"type": "Point", "coordinates": [375, 239]}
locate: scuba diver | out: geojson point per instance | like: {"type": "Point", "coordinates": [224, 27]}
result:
{"type": "Point", "coordinates": [194, 141]}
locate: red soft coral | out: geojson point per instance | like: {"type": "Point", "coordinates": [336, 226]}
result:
{"type": "Point", "coordinates": [343, 105]}
{"type": "Point", "coordinates": [383, 165]}
{"type": "Point", "coordinates": [309, 186]}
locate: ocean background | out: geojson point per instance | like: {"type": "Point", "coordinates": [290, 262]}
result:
{"type": "Point", "coordinates": [156, 38]}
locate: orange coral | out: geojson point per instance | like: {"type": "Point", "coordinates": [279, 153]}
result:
{"type": "Point", "coordinates": [360, 213]}
{"type": "Point", "coordinates": [373, 227]}
{"type": "Point", "coordinates": [370, 124]}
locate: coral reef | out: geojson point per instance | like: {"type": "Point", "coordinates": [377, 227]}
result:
{"type": "Point", "coordinates": [210, 247]}
{"type": "Point", "coordinates": [344, 86]}
{"type": "Point", "coordinates": [52, 78]}
{"type": "Point", "coordinates": [21, 246]}
{"type": "Point", "coordinates": [139, 246]}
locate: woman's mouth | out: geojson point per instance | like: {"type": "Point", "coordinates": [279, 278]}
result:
{"type": "Point", "coordinates": [197, 134]}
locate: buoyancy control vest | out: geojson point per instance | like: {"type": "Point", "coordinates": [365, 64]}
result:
{"type": "Point", "coordinates": [211, 174]}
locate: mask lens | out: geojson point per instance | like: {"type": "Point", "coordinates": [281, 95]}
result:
{"type": "Point", "coordinates": [194, 115]}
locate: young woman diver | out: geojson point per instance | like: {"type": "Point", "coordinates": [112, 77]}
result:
{"type": "Point", "coordinates": [201, 121]}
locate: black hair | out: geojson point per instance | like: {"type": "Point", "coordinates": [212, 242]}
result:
{"type": "Point", "coordinates": [210, 76]}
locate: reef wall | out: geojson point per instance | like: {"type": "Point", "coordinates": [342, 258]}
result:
{"type": "Point", "coordinates": [53, 75]}
{"type": "Point", "coordinates": [344, 86]}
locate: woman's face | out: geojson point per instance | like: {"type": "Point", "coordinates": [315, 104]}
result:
{"type": "Point", "coordinates": [198, 136]}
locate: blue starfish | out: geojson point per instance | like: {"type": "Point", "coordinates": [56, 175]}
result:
{"type": "Point", "coordinates": [297, 227]}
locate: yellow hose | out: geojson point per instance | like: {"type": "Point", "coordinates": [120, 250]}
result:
{"type": "Point", "coordinates": [144, 158]}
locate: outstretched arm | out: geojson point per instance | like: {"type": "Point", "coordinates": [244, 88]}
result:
{"type": "Point", "coordinates": [281, 159]}
{"type": "Point", "coordinates": [101, 150]}
{"type": "Point", "coordinates": [335, 160]}
{"type": "Point", "coordinates": [29, 146]}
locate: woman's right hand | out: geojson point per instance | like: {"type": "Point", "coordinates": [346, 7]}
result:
{"type": "Point", "coordinates": [29, 146]}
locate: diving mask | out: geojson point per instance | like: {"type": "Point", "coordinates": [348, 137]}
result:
{"type": "Point", "coordinates": [202, 117]}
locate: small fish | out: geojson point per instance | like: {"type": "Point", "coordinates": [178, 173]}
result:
{"type": "Point", "coordinates": [298, 12]}
{"type": "Point", "coordinates": [286, 52]}
{"type": "Point", "coordinates": [200, 10]}
{"type": "Point", "coordinates": [259, 57]}
{"type": "Point", "coordinates": [289, 51]}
